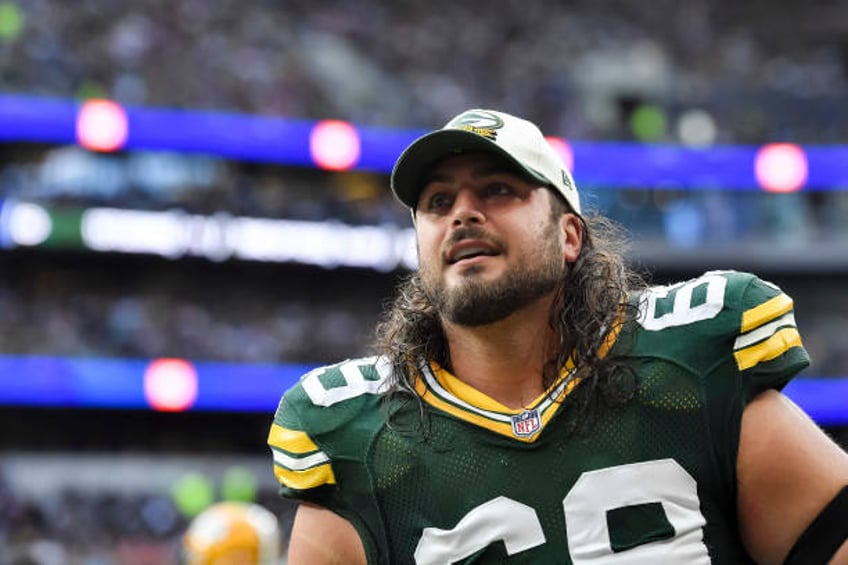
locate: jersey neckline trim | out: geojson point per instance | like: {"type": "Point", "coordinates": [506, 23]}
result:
{"type": "Point", "coordinates": [442, 390]}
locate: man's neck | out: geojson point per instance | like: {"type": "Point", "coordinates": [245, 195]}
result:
{"type": "Point", "coordinates": [504, 360]}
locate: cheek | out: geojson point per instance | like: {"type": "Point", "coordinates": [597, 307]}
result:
{"type": "Point", "coordinates": [546, 239]}
{"type": "Point", "coordinates": [428, 246]}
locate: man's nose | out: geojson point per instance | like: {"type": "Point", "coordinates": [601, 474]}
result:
{"type": "Point", "coordinates": [467, 209]}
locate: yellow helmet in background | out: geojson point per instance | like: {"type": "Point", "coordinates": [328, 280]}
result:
{"type": "Point", "coordinates": [232, 533]}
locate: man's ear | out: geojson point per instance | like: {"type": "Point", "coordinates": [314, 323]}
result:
{"type": "Point", "coordinates": [572, 236]}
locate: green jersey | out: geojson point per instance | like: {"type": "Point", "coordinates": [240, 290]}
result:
{"type": "Point", "coordinates": [469, 480]}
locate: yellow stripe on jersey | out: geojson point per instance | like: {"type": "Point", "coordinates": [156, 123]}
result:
{"type": "Point", "coordinates": [311, 467]}
{"type": "Point", "coordinates": [502, 428]}
{"type": "Point", "coordinates": [307, 479]}
{"type": "Point", "coordinates": [609, 340]}
{"type": "Point", "coordinates": [775, 346]}
{"type": "Point", "coordinates": [488, 413]}
{"type": "Point", "coordinates": [455, 392]}
{"type": "Point", "coordinates": [293, 441]}
{"type": "Point", "coordinates": [468, 393]}
{"type": "Point", "coordinates": [765, 312]}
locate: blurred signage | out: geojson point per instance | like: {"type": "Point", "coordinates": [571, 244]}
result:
{"type": "Point", "coordinates": [176, 234]}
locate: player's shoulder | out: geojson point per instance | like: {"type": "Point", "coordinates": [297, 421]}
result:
{"type": "Point", "coordinates": [734, 298]}
{"type": "Point", "coordinates": [332, 413]}
{"type": "Point", "coordinates": [726, 280]}
{"type": "Point", "coordinates": [329, 396]}
{"type": "Point", "coordinates": [719, 314]}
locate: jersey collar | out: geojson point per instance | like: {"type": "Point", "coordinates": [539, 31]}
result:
{"type": "Point", "coordinates": [444, 391]}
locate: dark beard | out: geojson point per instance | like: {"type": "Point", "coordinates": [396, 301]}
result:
{"type": "Point", "coordinates": [478, 303]}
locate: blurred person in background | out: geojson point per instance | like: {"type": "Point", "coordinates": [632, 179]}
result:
{"type": "Point", "coordinates": [536, 402]}
{"type": "Point", "coordinates": [233, 533]}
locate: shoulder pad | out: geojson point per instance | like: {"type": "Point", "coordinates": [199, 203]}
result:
{"type": "Point", "coordinates": [311, 428]}
{"type": "Point", "coordinates": [724, 316]}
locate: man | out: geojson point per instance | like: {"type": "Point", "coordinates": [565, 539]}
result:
{"type": "Point", "coordinates": [533, 403]}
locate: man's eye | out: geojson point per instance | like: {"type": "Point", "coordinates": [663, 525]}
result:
{"type": "Point", "coordinates": [498, 189]}
{"type": "Point", "coordinates": [439, 201]}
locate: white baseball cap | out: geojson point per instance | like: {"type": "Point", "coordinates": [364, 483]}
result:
{"type": "Point", "coordinates": [515, 139]}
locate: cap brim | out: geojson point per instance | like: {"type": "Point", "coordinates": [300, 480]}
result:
{"type": "Point", "coordinates": [407, 178]}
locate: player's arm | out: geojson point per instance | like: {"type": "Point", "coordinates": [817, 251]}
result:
{"type": "Point", "coordinates": [321, 537]}
{"type": "Point", "coordinates": [788, 471]}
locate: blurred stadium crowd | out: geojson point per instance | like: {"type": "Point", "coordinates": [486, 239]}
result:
{"type": "Point", "coordinates": [682, 71]}
{"type": "Point", "coordinates": [695, 72]}
{"type": "Point", "coordinates": [239, 318]}
{"type": "Point", "coordinates": [572, 66]}
{"type": "Point", "coordinates": [105, 527]}
{"type": "Point", "coordinates": [270, 316]}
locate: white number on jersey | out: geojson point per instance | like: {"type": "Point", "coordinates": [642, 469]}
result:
{"type": "Point", "coordinates": [355, 382]}
{"type": "Point", "coordinates": [682, 311]}
{"type": "Point", "coordinates": [585, 507]}
{"type": "Point", "coordinates": [501, 518]}
{"type": "Point", "coordinates": [663, 481]}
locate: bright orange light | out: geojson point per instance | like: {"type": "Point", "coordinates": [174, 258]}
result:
{"type": "Point", "coordinates": [564, 149]}
{"type": "Point", "coordinates": [781, 167]}
{"type": "Point", "coordinates": [334, 145]}
{"type": "Point", "coordinates": [102, 125]}
{"type": "Point", "coordinates": [170, 385]}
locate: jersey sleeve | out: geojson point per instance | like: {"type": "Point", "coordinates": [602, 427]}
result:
{"type": "Point", "coordinates": [767, 349]}
{"type": "Point", "coordinates": [321, 432]}
{"type": "Point", "coordinates": [302, 469]}
{"type": "Point", "coordinates": [321, 439]}
{"type": "Point", "coordinates": [761, 349]}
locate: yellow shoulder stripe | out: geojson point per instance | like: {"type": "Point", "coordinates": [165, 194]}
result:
{"type": "Point", "coordinates": [765, 312]}
{"type": "Point", "coordinates": [300, 473]}
{"type": "Point", "coordinates": [306, 479]}
{"type": "Point", "coordinates": [773, 347]}
{"type": "Point", "coordinates": [293, 441]}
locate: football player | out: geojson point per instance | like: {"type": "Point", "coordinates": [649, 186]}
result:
{"type": "Point", "coordinates": [232, 533]}
{"type": "Point", "coordinates": [533, 402]}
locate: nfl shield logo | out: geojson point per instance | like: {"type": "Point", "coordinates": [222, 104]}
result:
{"type": "Point", "coordinates": [527, 423]}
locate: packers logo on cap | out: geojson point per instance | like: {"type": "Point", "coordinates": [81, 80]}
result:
{"type": "Point", "coordinates": [484, 124]}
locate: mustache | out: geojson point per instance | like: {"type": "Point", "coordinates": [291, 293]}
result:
{"type": "Point", "coordinates": [472, 232]}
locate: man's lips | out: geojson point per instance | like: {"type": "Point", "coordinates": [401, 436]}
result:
{"type": "Point", "coordinates": [469, 249]}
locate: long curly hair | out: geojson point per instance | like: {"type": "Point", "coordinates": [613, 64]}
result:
{"type": "Point", "coordinates": [591, 302]}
